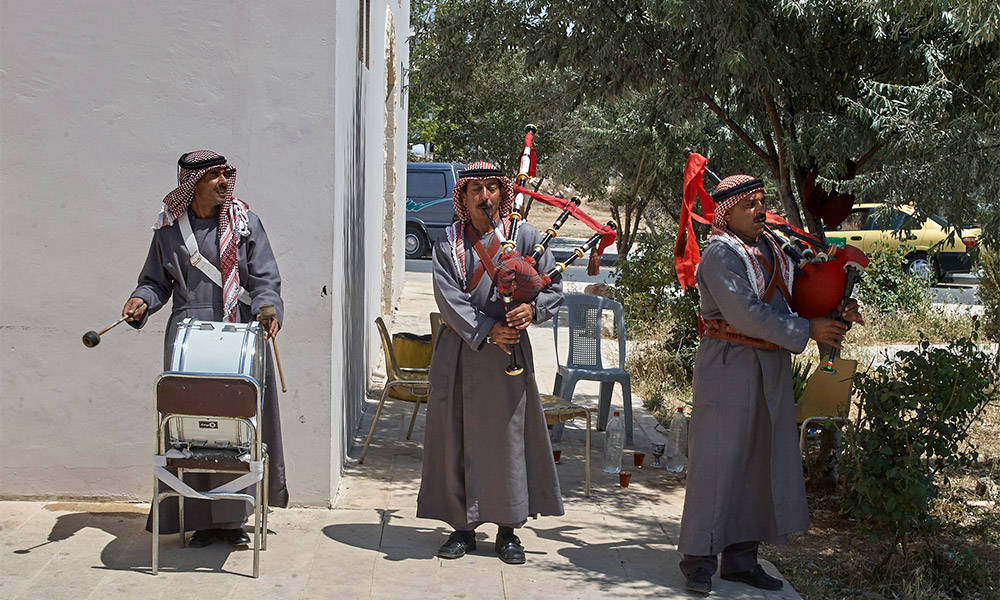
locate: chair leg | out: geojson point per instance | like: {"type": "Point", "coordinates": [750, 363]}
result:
{"type": "Point", "coordinates": [180, 510]}
{"type": "Point", "coordinates": [413, 419]}
{"type": "Point", "coordinates": [267, 483]}
{"type": "Point", "coordinates": [156, 525]}
{"type": "Point", "coordinates": [557, 388]}
{"type": "Point", "coordinates": [257, 497]}
{"type": "Point", "coordinates": [371, 432]}
{"type": "Point", "coordinates": [586, 490]}
{"type": "Point", "coordinates": [627, 403]}
{"type": "Point", "coordinates": [604, 405]}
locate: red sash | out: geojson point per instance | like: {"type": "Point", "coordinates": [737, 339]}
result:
{"type": "Point", "coordinates": [485, 258]}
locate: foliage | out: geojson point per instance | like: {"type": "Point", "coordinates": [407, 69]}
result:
{"type": "Point", "coordinates": [914, 412]}
{"type": "Point", "coordinates": [989, 291]}
{"type": "Point", "coordinates": [887, 289]}
{"type": "Point", "coordinates": [801, 369]}
{"type": "Point", "coordinates": [879, 98]}
{"type": "Point", "coordinates": [663, 320]}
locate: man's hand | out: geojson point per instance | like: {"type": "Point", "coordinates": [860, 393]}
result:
{"type": "Point", "coordinates": [503, 336]}
{"type": "Point", "coordinates": [134, 309]}
{"type": "Point", "coordinates": [272, 327]}
{"type": "Point", "coordinates": [827, 331]}
{"type": "Point", "coordinates": [848, 311]}
{"type": "Point", "coordinates": [520, 316]}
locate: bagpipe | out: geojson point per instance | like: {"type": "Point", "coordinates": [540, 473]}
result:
{"type": "Point", "coordinates": [517, 277]}
{"type": "Point", "coordinates": [827, 274]}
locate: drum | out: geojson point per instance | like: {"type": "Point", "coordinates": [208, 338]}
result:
{"type": "Point", "coordinates": [216, 348]}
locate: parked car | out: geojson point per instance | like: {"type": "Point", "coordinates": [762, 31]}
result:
{"type": "Point", "coordinates": [429, 208]}
{"type": "Point", "coordinates": [933, 256]}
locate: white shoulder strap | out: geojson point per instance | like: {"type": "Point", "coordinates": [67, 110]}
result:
{"type": "Point", "coordinates": [199, 261]}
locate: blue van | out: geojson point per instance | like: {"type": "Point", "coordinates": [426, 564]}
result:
{"type": "Point", "coordinates": [429, 208]}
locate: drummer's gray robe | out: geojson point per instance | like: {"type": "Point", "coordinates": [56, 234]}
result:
{"type": "Point", "coordinates": [487, 456]}
{"type": "Point", "coordinates": [167, 271]}
{"type": "Point", "coordinates": [744, 479]}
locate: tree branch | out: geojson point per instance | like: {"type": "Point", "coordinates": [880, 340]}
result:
{"type": "Point", "coordinates": [735, 127]}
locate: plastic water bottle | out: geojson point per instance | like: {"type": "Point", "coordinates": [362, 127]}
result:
{"type": "Point", "coordinates": [677, 442]}
{"type": "Point", "coordinates": [614, 445]}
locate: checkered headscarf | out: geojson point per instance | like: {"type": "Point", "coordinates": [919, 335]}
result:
{"type": "Point", "coordinates": [750, 254]}
{"type": "Point", "coordinates": [233, 219]}
{"type": "Point", "coordinates": [456, 231]}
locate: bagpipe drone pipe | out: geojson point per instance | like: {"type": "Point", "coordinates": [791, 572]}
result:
{"type": "Point", "coordinates": [826, 274]}
{"type": "Point", "coordinates": [517, 277]}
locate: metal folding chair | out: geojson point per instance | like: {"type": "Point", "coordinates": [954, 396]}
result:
{"type": "Point", "coordinates": [406, 384]}
{"type": "Point", "coordinates": [212, 401]}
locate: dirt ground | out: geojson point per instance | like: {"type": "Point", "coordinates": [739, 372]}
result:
{"type": "Point", "coordinates": [958, 558]}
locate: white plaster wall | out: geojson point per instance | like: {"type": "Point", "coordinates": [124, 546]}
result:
{"type": "Point", "coordinates": [97, 101]}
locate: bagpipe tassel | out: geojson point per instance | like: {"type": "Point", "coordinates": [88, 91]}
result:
{"type": "Point", "coordinates": [594, 264]}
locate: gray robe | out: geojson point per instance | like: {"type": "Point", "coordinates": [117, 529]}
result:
{"type": "Point", "coordinates": [744, 478]}
{"type": "Point", "coordinates": [487, 457]}
{"type": "Point", "coordinates": [167, 271]}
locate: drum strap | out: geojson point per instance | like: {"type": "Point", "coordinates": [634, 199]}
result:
{"type": "Point", "coordinates": [199, 261]}
{"type": "Point", "coordinates": [232, 487]}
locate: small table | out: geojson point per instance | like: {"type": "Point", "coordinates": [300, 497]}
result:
{"type": "Point", "coordinates": [558, 410]}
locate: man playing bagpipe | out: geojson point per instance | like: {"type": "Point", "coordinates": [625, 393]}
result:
{"type": "Point", "coordinates": [202, 216]}
{"type": "Point", "coordinates": [487, 457]}
{"type": "Point", "coordinates": [745, 483]}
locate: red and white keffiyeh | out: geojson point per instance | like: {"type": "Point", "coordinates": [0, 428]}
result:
{"type": "Point", "coordinates": [456, 231]}
{"type": "Point", "coordinates": [750, 254]}
{"type": "Point", "coordinates": [233, 220]}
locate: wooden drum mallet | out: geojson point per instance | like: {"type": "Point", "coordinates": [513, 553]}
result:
{"type": "Point", "coordinates": [267, 314]}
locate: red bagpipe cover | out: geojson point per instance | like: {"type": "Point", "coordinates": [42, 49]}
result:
{"type": "Point", "coordinates": [817, 289]}
{"type": "Point", "coordinates": [518, 276]}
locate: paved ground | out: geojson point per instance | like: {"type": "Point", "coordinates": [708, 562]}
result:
{"type": "Point", "coordinates": [619, 543]}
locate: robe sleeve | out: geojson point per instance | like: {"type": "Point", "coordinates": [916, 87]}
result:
{"type": "Point", "coordinates": [454, 303]}
{"type": "Point", "coordinates": [723, 276]}
{"type": "Point", "coordinates": [264, 285]}
{"type": "Point", "coordinates": [155, 283]}
{"type": "Point", "coordinates": [551, 297]}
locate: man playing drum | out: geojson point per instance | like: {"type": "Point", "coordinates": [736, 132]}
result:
{"type": "Point", "coordinates": [744, 482]}
{"type": "Point", "coordinates": [232, 239]}
{"type": "Point", "coordinates": [487, 457]}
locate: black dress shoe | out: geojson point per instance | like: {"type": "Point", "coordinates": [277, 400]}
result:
{"type": "Point", "coordinates": [459, 542]}
{"type": "Point", "coordinates": [755, 577]}
{"type": "Point", "coordinates": [202, 538]}
{"type": "Point", "coordinates": [508, 547]}
{"type": "Point", "coordinates": [699, 582]}
{"type": "Point", "coordinates": [236, 537]}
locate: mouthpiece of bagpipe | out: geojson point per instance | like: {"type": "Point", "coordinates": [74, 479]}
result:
{"type": "Point", "coordinates": [827, 274]}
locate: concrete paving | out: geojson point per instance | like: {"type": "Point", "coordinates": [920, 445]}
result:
{"type": "Point", "coordinates": [618, 543]}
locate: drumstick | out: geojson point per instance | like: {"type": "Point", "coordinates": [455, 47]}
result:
{"type": "Point", "coordinates": [93, 338]}
{"type": "Point", "coordinates": [267, 314]}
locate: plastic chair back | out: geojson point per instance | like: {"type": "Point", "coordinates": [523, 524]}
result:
{"type": "Point", "coordinates": [583, 318]}
{"type": "Point", "coordinates": [392, 371]}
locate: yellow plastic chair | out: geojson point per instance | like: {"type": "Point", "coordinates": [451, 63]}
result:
{"type": "Point", "coordinates": [408, 384]}
{"type": "Point", "coordinates": [826, 398]}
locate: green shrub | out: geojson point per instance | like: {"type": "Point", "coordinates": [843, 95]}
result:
{"type": "Point", "coordinates": [913, 415]}
{"type": "Point", "coordinates": [645, 280]}
{"type": "Point", "coordinates": [989, 291]}
{"type": "Point", "coordinates": [662, 319]}
{"type": "Point", "coordinates": [886, 288]}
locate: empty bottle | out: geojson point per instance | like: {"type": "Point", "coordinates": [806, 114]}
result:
{"type": "Point", "coordinates": [677, 443]}
{"type": "Point", "coordinates": [614, 445]}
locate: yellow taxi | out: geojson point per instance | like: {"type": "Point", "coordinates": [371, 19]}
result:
{"type": "Point", "coordinates": [933, 256]}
